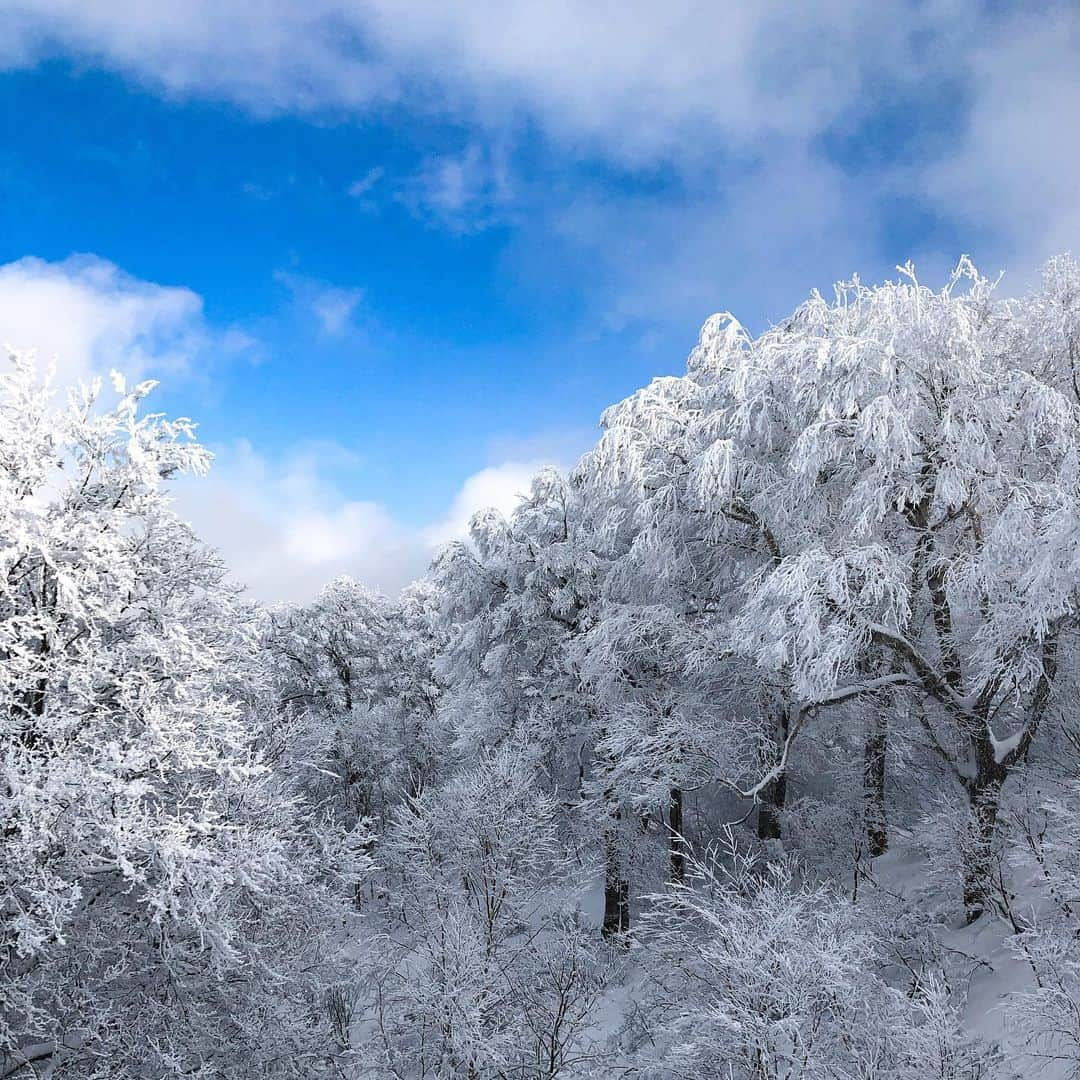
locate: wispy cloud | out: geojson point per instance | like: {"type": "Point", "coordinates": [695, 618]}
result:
{"type": "Point", "coordinates": [362, 187]}
{"type": "Point", "coordinates": [331, 306]}
{"type": "Point", "coordinates": [334, 308]}
{"type": "Point", "coordinates": [463, 191]}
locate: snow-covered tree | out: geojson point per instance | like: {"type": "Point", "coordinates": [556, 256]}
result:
{"type": "Point", "coordinates": [142, 853]}
{"type": "Point", "coordinates": [673, 552]}
{"type": "Point", "coordinates": [893, 476]}
{"type": "Point", "coordinates": [355, 674]}
{"type": "Point", "coordinates": [521, 602]}
{"type": "Point", "coordinates": [928, 480]}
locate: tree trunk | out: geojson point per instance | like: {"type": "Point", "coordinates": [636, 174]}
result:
{"type": "Point", "coordinates": [770, 808]}
{"type": "Point", "coordinates": [984, 796]}
{"type": "Point", "coordinates": [616, 888]}
{"type": "Point", "coordinates": [774, 794]}
{"type": "Point", "coordinates": [984, 790]}
{"type": "Point", "coordinates": [675, 833]}
{"type": "Point", "coordinates": [979, 853]}
{"type": "Point", "coordinates": [877, 834]}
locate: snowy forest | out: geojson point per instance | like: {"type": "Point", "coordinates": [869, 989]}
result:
{"type": "Point", "coordinates": [749, 749]}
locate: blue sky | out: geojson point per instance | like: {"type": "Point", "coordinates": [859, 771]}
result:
{"type": "Point", "coordinates": [394, 256]}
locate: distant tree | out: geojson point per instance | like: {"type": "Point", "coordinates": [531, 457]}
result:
{"type": "Point", "coordinates": [355, 674]}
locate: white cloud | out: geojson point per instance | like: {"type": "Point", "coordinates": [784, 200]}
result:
{"type": "Point", "coordinates": [643, 80]}
{"type": "Point", "coordinates": [636, 76]}
{"type": "Point", "coordinates": [268, 55]}
{"type": "Point", "coordinates": [499, 487]}
{"type": "Point", "coordinates": [1016, 164]}
{"type": "Point", "coordinates": [285, 530]}
{"type": "Point", "coordinates": [90, 316]}
{"type": "Point", "coordinates": [755, 245]}
{"type": "Point", "coordinates": [687, 85]}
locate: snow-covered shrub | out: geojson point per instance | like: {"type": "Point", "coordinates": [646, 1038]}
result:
{"type": "Point", "coordinates": [478, 975]}
{"type": "Point", "coordinates": [1047, 1017]}
{"type": "Point", "coordinates": [559, 984]}
{"type": "Point", "coordinates": [757, 976]}
{"type": "Point", "coordinates": [934, 1044]}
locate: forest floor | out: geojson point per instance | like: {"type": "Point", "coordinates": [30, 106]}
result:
{"type": "Point", "coordinates": [978, 960]}
{"type": "Point", "coordinates": [979, 964]}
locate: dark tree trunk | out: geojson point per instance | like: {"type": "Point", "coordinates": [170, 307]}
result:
{"type": "Point", "coordinates": [979, 854]}
{"type": "Point", "coordinates": [616, 888]}
{"type": "Point", "coordinates": [770, 808]}
{"type": "Point", "coordinates": [616, 907]}
{"type": "Point", "coordinates": [675, 832]}
{"type": "Point", "coordinates": [774, 794]}
{"type": "Point", "coordinates": [877, 832]}
{"type": "Point", "coordinates": [984, 795]}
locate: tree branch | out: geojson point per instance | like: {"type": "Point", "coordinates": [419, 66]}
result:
{"type": "Point", "coordinates": [932, 681]}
